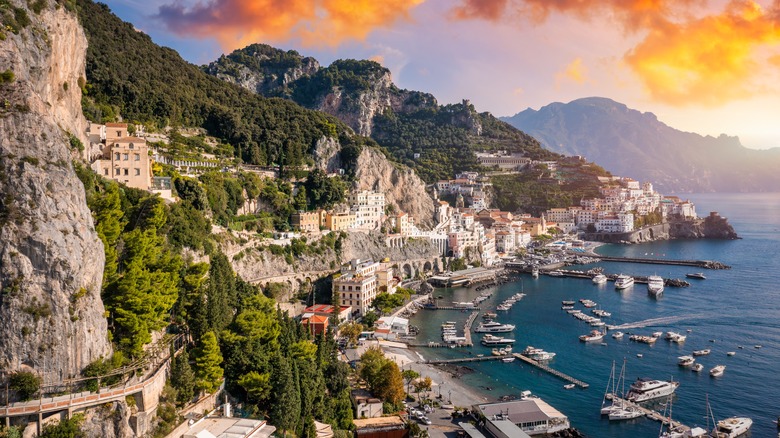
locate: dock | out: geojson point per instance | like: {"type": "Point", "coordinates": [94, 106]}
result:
{"type": "Point", "coordinates": [467, 327]}
{"type": "Point", "coordinates": [706, 264]}
{"type": "Point", "coordinates": [651, 414]}
{"type": "Point", "coordinates": [465, 359]}
{"type": "Point", "coordinates": [552, 371]}
{"type": "Point", "coordinates": [639, 279]}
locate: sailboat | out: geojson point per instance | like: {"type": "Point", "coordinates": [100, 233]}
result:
{"type": "Point", "coordinates": [607, 408]}
{"type": "Point", "coordinates": [621, 410]}
{"type": "Point", "coordinates": [679, 431]}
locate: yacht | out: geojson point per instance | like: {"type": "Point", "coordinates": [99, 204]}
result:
{"type": "Point", "coordinates": [655, 285]}
{"type": "Point", "coordinates": [599, 279]}
{"type": "Point", "coordinates": [685, 361]}
{"type": "Point", "coordinates": [537, 354]}
{"type": "Point", "coordinates": [508, 359]}
{"type": "Point", "coordinates": [697, 367]}
{"type": "Point", "coordinates": [568, 302]}
{"type": "Point", "coordinates": [623, 282]}
{"type": "Point", "coordinates": [718, 370]}
{"type": "Point", "coordinates": [555, 274]}
{"type": "Point", "coordinates": [496, 340]}
{"type": "Point", "coordinates": [730, 353]}
{"type": "Point", "coordinates": [626, 412]}
{"type": "Point", "coordinates": [732, 427]}
{"type": "Point", "coordinates": [704, 352]}
{"type": "Point", "coordinates": [593, 336]}
{"type": "Point", "coordinates": [489, 315]}
{"type": "Point", "coordinates": [494, 327]}
{"type": "Point", "coordinates": [617, 335]}
{"type": "Point", "coordinates": [696, 275]}
{"type": "Point", "coordinates": [648, 389]}
{"type": "Point", "coordinates": [602, 313]}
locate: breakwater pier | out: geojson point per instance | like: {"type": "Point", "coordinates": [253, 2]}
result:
{"type": "Point", "coordinates": [705, 264]}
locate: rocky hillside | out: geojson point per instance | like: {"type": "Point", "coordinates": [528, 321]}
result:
{"type": "Point", "coordinates": [632, 143]}
{"type": "Point", "coordinates": [51, 260]}
{"type": "Point", "coordinates": [436, 140]}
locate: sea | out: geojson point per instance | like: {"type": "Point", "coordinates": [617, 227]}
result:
{"type": "Point", "coordinates": [731, 310]}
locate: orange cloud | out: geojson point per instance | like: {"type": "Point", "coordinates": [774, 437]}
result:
{"type": "Point", "coordinates": [236, 23]}
{"type": "Point", "coordinates": [708, 59]}
{"type": "Point", "coordinates": [575, 72]}
{"type": "Point", "coordinates": [711, 61]}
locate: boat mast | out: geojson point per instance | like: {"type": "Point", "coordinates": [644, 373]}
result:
{"type": "Point", "coordinates": [606, 390]}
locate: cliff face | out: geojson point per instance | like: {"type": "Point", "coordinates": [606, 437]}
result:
{"type": "Point", "coordinates": [51, 260]}
{"type": "Point", "coordinates": [400, 184]}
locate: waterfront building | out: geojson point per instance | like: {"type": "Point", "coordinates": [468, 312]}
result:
{"type": "Point", "coordinates": [618, 223]}
{"type": "Point", "coordinates": [368, 208]}
{"type": "Point", "coordinates": [531, 414]}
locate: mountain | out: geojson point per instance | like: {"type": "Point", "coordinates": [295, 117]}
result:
{"type": "Point", "coordinates": [436, 140]}
{"type": "Point", "coordinates": [631, 143]}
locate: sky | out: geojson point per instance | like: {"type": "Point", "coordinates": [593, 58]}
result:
{"type": "Point", "coordinates": [705, 66]}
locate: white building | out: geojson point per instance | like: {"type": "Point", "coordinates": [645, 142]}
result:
{"type": "Point", "coordinates": [368, 208]}
{"type": "Point", "coordinates": [618, 223]}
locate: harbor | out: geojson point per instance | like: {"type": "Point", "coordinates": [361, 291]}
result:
{"type": "Point", "coordinates": [650, 413]}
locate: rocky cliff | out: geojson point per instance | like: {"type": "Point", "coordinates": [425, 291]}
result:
{"type": "Point", "coordinates": [51, 260]}
{"type": "Point", "coordinates": [713, 226]}
{"type": "Point", "coordinates": [400, 184]}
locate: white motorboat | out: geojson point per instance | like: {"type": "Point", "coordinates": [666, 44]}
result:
{"type": "Point", "coordinates": [617, 335]}
{"type": "Point", "coordinates": [704, 352]}
{"type": "Point", "coordinates": [537, 354]}
{"type": "Point", "coordinates": [655, 285]}
{"type": "Point", "coordinates": [555, 274]}
{"type": "Point", "coordinates": [730, 353]}
{"type": "Point", "coordinates": [494, 327]}
{"type": "Point", "coordinates": [535, 272]}
{"type": "Point", "coordinates": [568, 386]}
{"type": "Point", "coordinates": [685, 361]}
{"type": "Point", "coordinates": [648, 389]}
{"type": "Point", "coordinates": [696, 275]}
{"type": "Point", "coordinates": [718, 370]}
{"type": "Point", "coordinates": [697, 367]}
{"type": "Point", "coordinates": [623, 282]}
{"type": "Point", "coordinates": [601, 312]}
{"type": "Point", "coordinates": [508, 359]}
{"type": "Point", "coordinates": [593, 336]}
{"type": "Point", "coordinates": [568, 302]}
{"type": "Point", "coordinates": [496, 340]}
{"type": "Point", "coordinates": [599, 279]}
{"type": "Point", "coordinates": [732, 427]}
{"type": "Point", "coordinates": [625, 413]}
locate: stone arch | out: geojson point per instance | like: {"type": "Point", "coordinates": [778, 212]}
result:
{"type": "Point", "coordinates": [407, 270]}
{"type": "Point", "coordinates": [427, 267]}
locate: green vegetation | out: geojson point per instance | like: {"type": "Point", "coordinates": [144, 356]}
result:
{"type": "Point", "coordinates": [208, 361]}
{"type": "Point", "coordinates": [386, 302]}
{"type": "Point", "coordinates": [352, 76]}
{"type": "Point", "coordinates": [383, 376]}
{"type": "Point", "coordinates": [538, 189]}
{"type": "Point", "coordinates": [162, 89]}
{"type": "Point", "coordinates": [10, 432]}
{"type": "Point", "coordinates": [25, 383]}
{"type": "Point", "coordinates": [66, 428]}
{"type": "Point", "coordinates": [7, 77]}
{"type": "Point", "coordinates": [13, 17]}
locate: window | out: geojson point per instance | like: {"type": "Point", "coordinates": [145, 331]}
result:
{"type": "Point", "coordinates": [105, 172]}
{"type": "Point", "coordinates": [119, 133]}
{"type": "Point", "coordinates": [132, 146]}
{"type": "Point", "coordinates": [137, 171]}
{"type": "Point", "coordinates": [125, 157]}
{"type": "Point", "coordinates": [125, 172]}
{"type": "Point", "coordinates": [137, 157]}
{"type": "Point", "coordinates": [118, 171]}
{"type": "Point", "coordinates": [117, 156]}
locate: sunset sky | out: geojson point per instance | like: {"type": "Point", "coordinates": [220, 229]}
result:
{"type": "Point", "coordinates": [709, 67]}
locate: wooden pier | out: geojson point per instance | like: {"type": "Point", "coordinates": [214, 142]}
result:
{"type": "Point", "coordinates": [467, 327]}
{"type": "Point", "coordinates": [651, 414]}
{"type": "Point", "coordinates": [552, 371]}
{"type": "Point", "coordinates": [465, 359]}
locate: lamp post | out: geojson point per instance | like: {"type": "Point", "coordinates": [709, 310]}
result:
{"type": "Point", "coordinates": [449, 396]}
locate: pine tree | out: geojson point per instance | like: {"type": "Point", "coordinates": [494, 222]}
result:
{"type": "Point", "coordinates": [183, 378]}
{"type": "Point", "coordinates": [221, 293]}
{"type": "Point", "coordinates": [208, 360]}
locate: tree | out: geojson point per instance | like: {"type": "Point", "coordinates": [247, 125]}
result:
{"type": "Point", "coordinates": [351, 331]}
{"type": "Point", "coordinates": [409, 376]}
{"type": "Point", "coordinates": [208, 358]}
{"type": "Point", "coordinates": [423, 384]}
{"type": "Point", "coordinates": [183, 378]}
{"type": "Point", "coordinates": [370, 318]}
{"type": "Point", "coordinates": [68, 428]}
{"type": "Point", "coordinates": [257, 386]}
{"type": "Point", "coordinates": [221, 293]}
{"type": "Point", "coordinates": [107, 212]}
{"type": "Point", "coordinates": [389, 385]}
{"type": "Point", "coordinates": [25, 383]}
{"type": "Point", "coordinates": [285, 412]}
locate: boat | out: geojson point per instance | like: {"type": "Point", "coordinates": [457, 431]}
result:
{"type": "Point", "coordinates": [537, 354]}
{"type": "Point", "coordinates": [568, 386]}
{"type": "Point", "coordinates": [535, 272]}
{"type": "Point", "coordinates": [619, 409]}
{"type": "Point", "coordinates": [599, 279]}
{"type": "Point", "coordinates": [730, 353]}
{"type": "Point", "coordinates": [617, 335]}
{"type": "Point", "coordinates": [567, 307]}
{"type": "Point", "coordinates": [496, 340]}
{"type": "Point", "coordinates": [658, 334]}
{"type": "Point", "coordinates": [593, 336]}
{"type": "Point", "coordinates": [639, 355]}
{"type": "Point", "coordinates": [508, 359]}
{"type": "Point", "coordinates": [602, 313]}
{"type": "Point", "coordinates": [732, 427]}
{"type": "Point", "coordinates": [597, 323]}
{"type": "Point", "coordinates": [718, 370]}
{"type": "Point", "coordinates": [696, 275]}
{"type": "Point", "coordinates": [494, 327]}
{"type": "Point", "coordinates": [623, 282]}
{"type": "Point", "coordinates": [625, 413]}
{"type": "Point", "coordinates": [606, 408]}
{"type": "Point", "coordinates": [502, 307]}
{"type": "Point", "coordinates": [555, 273]}
{"type": "Point", "coordinates": [757, 346]}
{"type": "Point", "coordinates": [704, 352]}
{"type": "Point", "coordinates": [655, 286]}
{"type": "Point", "coordinates": [685, 361]}
{"type": "Point", "coordinates": [697, 367]}
{"type": "Point", "coordinates": [568, 302]}
{"type": "Point", "coordinates": [648, 389]}
{"type": "Point", "coordinates": [489, 315]}
{"type": "Point", "coordinates": [675, 337]}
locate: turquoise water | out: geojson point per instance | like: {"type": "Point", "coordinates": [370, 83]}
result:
{"type": "Point", "coordinates": [737, 307]}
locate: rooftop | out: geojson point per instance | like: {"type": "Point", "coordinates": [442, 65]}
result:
{"type": "Point", "coordinates": [383, 422]}
{"type": "Point", "coordinates": [224, 427]}
{"type": "Point", "coordinates": [522, 411]}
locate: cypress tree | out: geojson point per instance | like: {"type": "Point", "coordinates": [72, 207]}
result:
{"type": "Point", "coordinates": [208, 360]}
{"type": "Point", "coordinates": [221, 294]}
{"type": "Point", "coordinates": [183, 378]}
{"type": "Point", "coordinates": [286, 409]}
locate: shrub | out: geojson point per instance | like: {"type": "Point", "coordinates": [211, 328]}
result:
{"type": "Point", "coordinates": [25, 383]}
{"type": "Point", "coordinates": [7, 77]}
